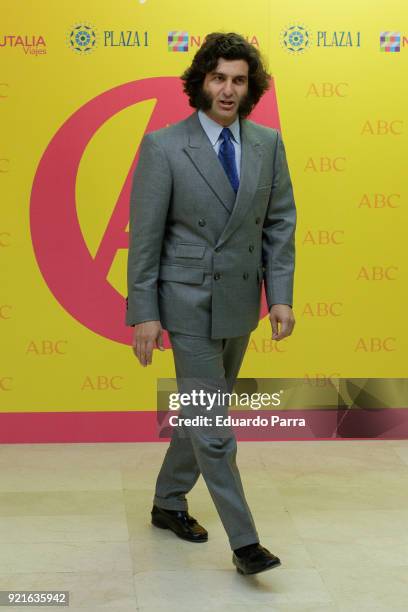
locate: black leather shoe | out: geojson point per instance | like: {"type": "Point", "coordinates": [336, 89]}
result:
{"type": "Point", "coordinates": [180, 522]}
{"type": "Point", "coordinates": [256, 559]}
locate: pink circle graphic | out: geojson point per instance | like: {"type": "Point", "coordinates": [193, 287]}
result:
{"type": "Point", "coordinates": [77, 279]}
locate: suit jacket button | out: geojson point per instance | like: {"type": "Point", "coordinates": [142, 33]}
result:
{"type": "Point", "coordinates": [245, 275]}
{"type": "Point", "coordinates": [217, 276]}
{"type": "Point", "coordinates": [251, 248]}
{"type": "Point", "coordinates": [258, 220]}
{"type": "Point", "coordinates": [201, 222]}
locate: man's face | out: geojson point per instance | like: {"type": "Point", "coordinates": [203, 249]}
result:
{"type": "Point", "coordinates": [225, 87]}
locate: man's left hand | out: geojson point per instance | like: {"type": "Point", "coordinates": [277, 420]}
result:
{"type": "Point", "coordinates": [281, 315]}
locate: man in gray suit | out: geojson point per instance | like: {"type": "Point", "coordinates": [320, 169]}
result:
{"type": "Point", "coordinates": [212, 215]}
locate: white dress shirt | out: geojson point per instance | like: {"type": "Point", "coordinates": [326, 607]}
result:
{"type": "Point", "coordinates": [213, 131]}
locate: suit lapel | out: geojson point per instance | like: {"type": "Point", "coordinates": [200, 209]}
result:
{"type": "Point", "coordinates": [203, 156]}
{"type": "Point", "coordinates": [251, 161]}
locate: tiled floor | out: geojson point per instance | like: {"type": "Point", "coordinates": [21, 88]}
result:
{"type": "Point", "coordinates": [77, 518]}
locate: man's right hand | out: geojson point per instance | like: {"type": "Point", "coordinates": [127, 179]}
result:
{"type": "Point", "coordinates": [146, 337]}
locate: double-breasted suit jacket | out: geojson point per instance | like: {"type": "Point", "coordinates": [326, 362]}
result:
{"type": "Point", "coordinates": [198, 252]}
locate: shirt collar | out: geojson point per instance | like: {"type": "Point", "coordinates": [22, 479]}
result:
{"type": "Point", "coordinates": [214, 129]}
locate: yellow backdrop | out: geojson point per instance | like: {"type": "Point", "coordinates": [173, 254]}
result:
{"type": "Point", "coordinates": [341, 98]}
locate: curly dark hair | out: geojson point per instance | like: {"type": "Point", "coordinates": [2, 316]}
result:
{"type": "Point", "coordinates": [229, 46]}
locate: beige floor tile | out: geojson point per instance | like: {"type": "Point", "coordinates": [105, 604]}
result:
{"type": "Point", "coordinates": [402, 451]}
{"type": "Point", "coordinates": [167, 552]}
{"type": "Point", "coordinates": [164, 551]}
{"type": "Point", "coordinates": [135, 478]}
{"type": "Point", "coordinates": [304, 465]}
{"type": "Point", "coordinates": [365, 588]}
{"type": "Point", "coordinates": [357, 606]}
{"type": "Point", "coordinates": [338, 526]}
{"type": "Point", "coordinates": [50, 503]}
{"type": "Point", "coordinates": [333, 511]}
{"type": "Point", "coordinates": [368, 538]}
{"type": "Point", "coordinates": [147, 455]}
{"type": "Point", "coordinates": [330, 496]}
{"type": "Point", "coordinates": [60, 455]}
{"type": "Point", "coordinates": [265, 476]}
{"type": "Point", "coordinates": [212, 586]}
{"type": "Point", "coordinates": [49, 478]}
{"type": "Point", "coordinates": [221, 606]}
{"type": "Point", "coordinates": [338, 456]}
{"type": "Point", "coordinates": [361, 552]}
{"type": "Point", "coordinates": [381, 479]}
{"type": "Point", "coordinates": [65, 557]}
{"type": "Point", "coordinates": [95, 608]}
{"type": "Point", "coordinates": [64, 528]}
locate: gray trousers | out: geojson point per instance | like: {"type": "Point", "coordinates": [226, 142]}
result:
{"type": "Point", "coordinates": [212, 365]}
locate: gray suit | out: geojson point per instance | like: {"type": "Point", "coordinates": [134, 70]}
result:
{"type": "Point", "coordinates": [197, 256]}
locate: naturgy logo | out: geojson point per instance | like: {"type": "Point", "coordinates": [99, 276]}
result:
{"type": "Point", "coordinates": [77, 279]}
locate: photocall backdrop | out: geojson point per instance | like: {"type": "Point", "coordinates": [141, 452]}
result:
{"type": "Point", "coordinates": [79, 86]}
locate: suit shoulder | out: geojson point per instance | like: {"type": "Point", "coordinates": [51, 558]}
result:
{"type": "Point", "coordinates": [263, 131]}
{"type": "Point", "coordinates": [168, 133]}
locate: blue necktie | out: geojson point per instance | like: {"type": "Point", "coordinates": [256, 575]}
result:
{"type": "Point", "coordinates": [226, 155]}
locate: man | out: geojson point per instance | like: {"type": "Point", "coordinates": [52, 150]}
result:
{"type": "Point", "coordinates": [212, 214]}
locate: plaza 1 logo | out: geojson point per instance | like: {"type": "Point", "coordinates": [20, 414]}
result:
{"type": "Point", "coordinates": [297, 38]}
{"type": "Point", "coordinates": [83, 38]}
{"type": "Point", "coordinates": [78, 280]}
